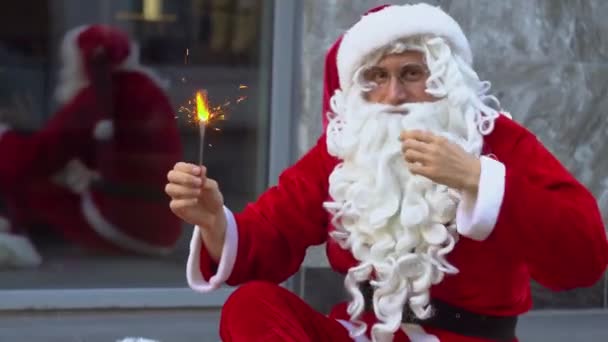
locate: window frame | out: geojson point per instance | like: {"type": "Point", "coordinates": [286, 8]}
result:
{"type": "Point", "coordinates": [279, 142]}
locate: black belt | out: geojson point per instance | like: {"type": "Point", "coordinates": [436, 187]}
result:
{"type": "Point", "coordinates": [457, 320]}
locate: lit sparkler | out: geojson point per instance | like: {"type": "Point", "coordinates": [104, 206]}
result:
{"type": "Point", "coordinates": [200, 111]}
{"type": "Point", "coordinates": [203, 115]}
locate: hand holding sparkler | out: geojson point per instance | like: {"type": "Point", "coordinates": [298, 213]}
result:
{"type": "Point", "coordinates": [197, 200]}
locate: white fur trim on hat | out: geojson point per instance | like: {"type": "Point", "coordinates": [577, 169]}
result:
{"type": "Point", "coordinates": [378, 29]}
{"type": "Point", "coordinates": [72, 77]}
{"type": "Point", "coordinates": [71, 74]}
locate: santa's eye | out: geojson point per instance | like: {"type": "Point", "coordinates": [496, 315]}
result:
{"type": "Point", "coordinates": [413, 73]}
{"type": "Point", "coordinates": [376, 75]}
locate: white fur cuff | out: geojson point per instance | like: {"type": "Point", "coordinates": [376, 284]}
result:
{"type": "Point", "coordinates": [477, 215]}
{"type": "Point", "coordinates": [227, 260]}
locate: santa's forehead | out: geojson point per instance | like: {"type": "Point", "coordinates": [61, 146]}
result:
{"type": "Point", "coordinates": [400, 58]}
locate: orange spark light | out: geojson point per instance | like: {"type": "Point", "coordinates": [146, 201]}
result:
{"type": "Point", "coordinates": [202, 107]}
{"type": "Point", "coordinates": [200, 110]}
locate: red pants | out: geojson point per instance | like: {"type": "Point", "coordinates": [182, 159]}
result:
{"type": "Point", "coordinates": [261, 311]}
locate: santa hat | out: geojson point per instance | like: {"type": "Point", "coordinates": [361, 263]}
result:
{"type": "Point", "coordinates": [331, 81]}
{"type": "Point", "coordinates": [90, 56]}
{"type": "Point", "coordinates": [96, 46]}
{"type": "Point", "coordinates": [386, 24]}
{"type": "Point", "coordinates": [90, 53]}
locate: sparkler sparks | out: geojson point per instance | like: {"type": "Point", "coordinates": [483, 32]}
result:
{"type": "Point", "coordinates": [199, 111]}
{"type": "Point", "coordinates": [201, 104]}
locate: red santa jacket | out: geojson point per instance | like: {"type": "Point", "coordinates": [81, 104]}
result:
{"type": "Point", "coordinates": [531, 219]}
{"type": "Point", "coordinates": [547, 227]}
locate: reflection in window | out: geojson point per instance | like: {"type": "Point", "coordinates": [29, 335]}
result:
{"type": "Point", "coordinates": [24, 52]}
{"type": "Point", "coordinates": [85, 147]}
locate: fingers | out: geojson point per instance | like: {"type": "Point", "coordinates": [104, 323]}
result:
{"type": "Point", "coordinates": [187, 181]}
{"type": "Point", "coordinates": [413, 156]}
{"type": "Point", "coordinates": [184, 179]}
{"type": "Point", "coordinates": [422, 136]}
{"type": "Point", "coordinates": [210, 184]}
{"type": "Point", "coordinates": [416, 151]}
{"type": "Point", "coordinates": [187, 175]}
{"type": "Point", "coordinates": [416, 145]}
{"type": "Point", "coordinates": [178, 205]}
{"type": "Point", "coordinates": [188, 168]}
{"type": "Point", "coordinates": [181, 192]}
{"type": "Point", "coordinates": [420, 170]}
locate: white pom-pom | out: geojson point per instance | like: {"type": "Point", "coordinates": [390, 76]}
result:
{"type": "Point", "coordinates": [104, 130]}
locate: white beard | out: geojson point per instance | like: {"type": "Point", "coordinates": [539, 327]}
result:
{"type": "Point", "coordinates": [398, 226]}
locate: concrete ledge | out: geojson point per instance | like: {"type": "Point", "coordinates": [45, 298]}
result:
{"type": "Point", "coordinates": [141, 298]}
{"type": "Point", "coordinates": [110, 326]}
{"type": "Point", "coordinates": [189, 325]}
{"type": "Point", "coordinates": [564, 326]}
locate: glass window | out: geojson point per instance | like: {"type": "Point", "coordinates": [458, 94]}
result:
{"type": "Point", "coordinates": [82, 178]}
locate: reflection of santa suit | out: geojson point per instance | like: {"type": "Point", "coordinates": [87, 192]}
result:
{"type": "Point", "coordinates": [95, 173]}
{"type": "Point", "coordinates": [531, 219]}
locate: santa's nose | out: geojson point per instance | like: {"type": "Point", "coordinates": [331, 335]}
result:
{"type": "Point", "coordinates": [396, 93]}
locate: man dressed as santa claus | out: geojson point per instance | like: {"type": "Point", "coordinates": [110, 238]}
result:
{"type": "Point", "coordinates": [95, 172]}
{"type": "Point", "coordinates": [438, 208]}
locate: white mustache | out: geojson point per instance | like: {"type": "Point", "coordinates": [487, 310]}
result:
{"type": "Point", "coordinates": [403, 109]}
{"type": "Point", "coordinates": [399, 111]}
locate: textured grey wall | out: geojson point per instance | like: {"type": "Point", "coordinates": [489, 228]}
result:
{"type": "Point", "coordinates": [547, 61]}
